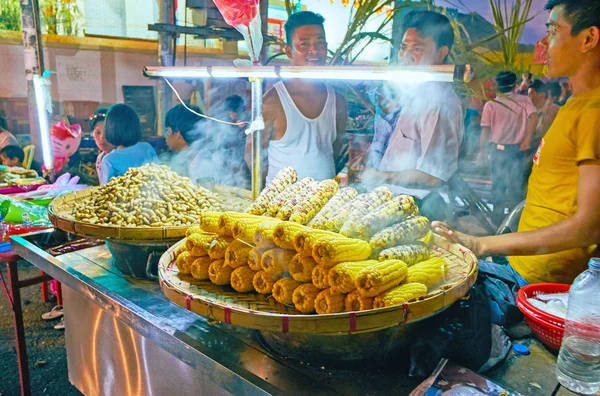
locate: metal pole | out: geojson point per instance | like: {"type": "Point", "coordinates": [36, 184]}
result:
{"type": "Point", "coordinates": [164, 95]}
{"type": "Point", "coordinates": [257, 178]}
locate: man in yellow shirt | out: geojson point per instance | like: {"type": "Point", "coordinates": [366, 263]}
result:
{"type": "Point", "coordinates": [560, 226]}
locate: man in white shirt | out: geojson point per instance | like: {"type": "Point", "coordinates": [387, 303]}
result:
{"type": "Point", "coordinates": [422, 152]}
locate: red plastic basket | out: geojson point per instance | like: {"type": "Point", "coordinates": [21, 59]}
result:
{"type": "Point", "coordinates": [547, 327]}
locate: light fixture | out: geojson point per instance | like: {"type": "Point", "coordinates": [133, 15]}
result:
{"type": "Point", "coordinates": [39, 88]}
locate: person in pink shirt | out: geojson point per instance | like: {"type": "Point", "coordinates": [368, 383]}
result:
{"type": "Point", "coordinates": [508, 124]}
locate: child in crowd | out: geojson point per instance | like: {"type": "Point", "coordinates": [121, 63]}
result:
{"type": "Point", "coordinates": [14, 156]}
{"type": "Point", "coordinates": [97, 127]}
{"type": "Point", "coordinates": [123, 131]}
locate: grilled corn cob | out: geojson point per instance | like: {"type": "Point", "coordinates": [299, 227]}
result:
{"type": "Point", "coordinates": [386, 214]}
{"type": "Point", "coordinates": [285, 233]}
{"type": "Point", "coordinates": [229, 219]}
{"type": "Point", "coordinates": [400, 295]}
{"type": "Point", "coordinates": [209, 221]}
{"type": "Point", "coordinates": [241, 279]}
{"type": "Point", "coordinates": [245, 229]}
{"type": "Point", "coordinates": [236, 254]}
{"type": "Point", "coordinates": [343, 196]}
{"type": "Point", "coordinates": [304, 212]}
{"type": "Point", "coordinates": [255, 258]}
{"type": "Point", "coordinates": [200, 266]}
{"type": "Point", "coordinates": [320, 277]}
{"type": "Point", "coordinates": [276, 261]}
{"type": "Point", "coordinates": [329, 301]}
{"type": "Point", "coordinates": [305, 240]}
{"type": "Point", "coordinates": [377, 278]}
{"type": "Point", "coordinates": [283, 290]}
{"type": "Point", "coordinates": [359, 206]}
{"type": "Point", "coordinates": [277, 203]}
{"type": "Point", "coordinates": [368, 205]}
{"type": "Point", "coordinates": [194, 230]}
{"type": "Point", "coordinates": [355, 302]}
{"type": "Point", "coordinates": [408, 231]}
{"type": "Point", "coordinates": [263, 237]}
{"type": "Point", "coordinates": [304, 298]}
{"type": "Point", "coordinates": [301, 196]}
{"type": "Point", "coordinates": [282, 180]}
{"type": "Point", "coordinates": [219, 273]}
{"type": "Point", "coordinates": [263, 282]}
{"type": "Point", "coordinates": [341, 278]}
{"type": "Point", "coordinates": [332, 251]}
{"type": "Point", "coordinates": [181, 262]}
{"type": "Point", "coordinates": [216, 249]}
{"type": "Point", "coordinates": [301, 267]}
{"type": "Point", "coordinates": [410, 254]}
{"type": "Point", "coordinates": [428, 272]}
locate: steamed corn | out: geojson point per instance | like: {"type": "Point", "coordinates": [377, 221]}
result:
{"type": "Point", "coordinates": [342, 277]}
{"type": "Point", "coordinates": [228, 220]}
{"type": "Point", "coordinates": [241, 279]}
{"type": "Point", "coordinates": [320, 276]}
{"type": "Point", "coordinates": [380, 277]}
{"type": "Point", "coordinates": [359, 206]}
{"type": "Point", "coordinates": [428, 272]}
{"type": "Point", "coordinates": [236, 254]}
{"type": "Point", "coordinates": [182, 261]}
{"type": "Point", "coordinates": [283, 290]}
{"type": "Point", "coordinates": [282, 180]}
{"type": "Point", "coordinates": [277, 203]}
{"type": "Point", "coordinates": [368, 205]}
{"type": "Point", "coordinates": [304, 298]}
{"type": "Point", "coordinates": [200, 242]}
{"type": "Point", "coordinates": [306, 210]}
{"type": "Point", "coordinates": [263, 236]}
{"type": "Point", "coordinates": [301, 196]}
{"type": "Point", "coordinates": [388, 213]}
{"type": "Point", "coordinates": [332, 251]}
{"type": "Point", "coordinates": [285, 233]}
{"type": "Point", "coordinates": [263, 282]}
{"type": "Point", "coordinates": [200, 266]}
{"type": "Point", "coordinates": [219, 273]}
{"type": "Point", "coordinates": [411, 254]}
{"type": "Point", "coordinates": [343, 196]}
{"type": "Point", "coordinates": [305, 239]}
{"type": "Point", "coordinates": [255, 258]}
{"type": "Point", "coordinates": [194, 230]}
{"type": "Point", "coordinates": [400, 295]}
{"type": "Point", "coordinates": [216, 249]}
{"type": "Point", "coordinates": [329, 301]}
{"type": "Point", "coordinates": [408, 231]}
{"type": "Point", "coordinates": [355, 302]}
{"type": "Point", "coordinates": [209, 221]}
{"type": "Point", "coordinates": [245, 229]}
{"type": "Point", "coordinates": [301, 267]}
{"type": "Point", "coordinates": [275, 261]}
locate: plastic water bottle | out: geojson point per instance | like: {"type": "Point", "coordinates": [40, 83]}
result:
{"type": "Point", "coordinates": [578, 367]}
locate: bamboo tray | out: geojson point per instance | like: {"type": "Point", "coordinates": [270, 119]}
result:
{"type": "Point", "coordinates": [263, 313]}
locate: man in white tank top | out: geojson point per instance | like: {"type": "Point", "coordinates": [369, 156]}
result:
{"type": "Point", "coordinates": [305, 120]}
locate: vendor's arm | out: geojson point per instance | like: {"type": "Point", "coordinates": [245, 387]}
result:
{"type": "Point", "coordinates": [409, 178]}
{"type": "Point", "coordinates": [341, 118]}
{"type": "Point", "coordinates": [271, 106]}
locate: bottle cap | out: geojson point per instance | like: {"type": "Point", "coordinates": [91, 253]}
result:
{"type": "Point", "coordinates": [521, 349]}
{"type": "Point", "coordinates": [594, 263]}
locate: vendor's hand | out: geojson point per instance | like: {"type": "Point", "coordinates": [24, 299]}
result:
{"type": "Point", "coordinates": [470, 242]}
{"type": "Point", "coordinates": [370, 176]}
{"type": "Point", "coordinates": [525, 145]}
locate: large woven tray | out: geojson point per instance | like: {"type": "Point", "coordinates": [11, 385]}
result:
{"type": "Point", "coordinates": [261, 312]}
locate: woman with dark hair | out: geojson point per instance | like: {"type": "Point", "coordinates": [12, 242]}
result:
{"type": "Point", "coordinates": [97, 127]}
{"type": "Point", "coordinates": [123, 131]}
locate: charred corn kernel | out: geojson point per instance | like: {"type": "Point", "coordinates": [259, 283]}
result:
{"type": "Point", "coordinates": [358, 205]}
{"type": "Point", "coordinates": [245, 229]}
{"type": "Point", "coordinates": [209, 221]}
{"type": "Point", "coordinates": [236, 254]}
{"type": "Point", "coordinates": [428, 272]}
{"type": "Point", "coordinates": [194, 230]}
{"type": "Point", "coordinates": [181, 262]}
{"type": "Point", "coordinates": [275, 261]}
{"type": "Point", "coordinates": [355, 302]}
{"type": "Point", "coordinates": [200, 266]}
{"type": "Point", "coordinates": [304, 298]}
{"type": "Point", "coordinates": [368, 205]}
{"type": "Point", "coordinates": [279, 201]}
{"type": "Point", "coordinates": [427, 239]}
{"type": "Point", "coordinates": [229, 219]}
{"type": "Point", "coordinates": [201, 241]}
{"type": "Point", "coordinates": [380, 277]}
{"type": "Point", "coordinates": [285, 233]}
{"type": "Point", "coordinates": [330, 251]}
{"type": "Point", "coordinates": [241, 279]}
{"type": "Point", "coordinates": [343, 196]}
{"type": "Point", "coordinates": [342, 277]}
{"type": "Point", "coordinates": [282, 180]}
{"type": "Point", "coordinates": [219, 273]}
{"type": "Point", "coordinates": [408, 231]}
{"type": "Point", "coordinates": [400, 295]}
{"type": "Point", "coordinates": [411, 254]}
{"type": "Point", "coordinates": [329, 301]}
{"type": "Point", "coordinates": [305, 240]}
{"type": "Point", "coordinates": [283, 290]}
{"type": "Point", "coordinates": [320, 277]}
{"type": "Point", "coordinates": [216, 249]}
{"type": "Point", "coordinates": [301, 196]}
{"type": "Point", "coordinates": [386, 214]}
{"type": "Point", "coordinates": [263, 282]}
{"type": "Point", "coordinates": [264, 236]}
{"type": "Point", "coordinates": [304, 212]}
{"type": "Point", "coordinates": [301, 267]}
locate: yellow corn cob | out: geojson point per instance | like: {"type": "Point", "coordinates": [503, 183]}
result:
{"type": "Point", "coordinates": [282, 180]}
{"type": "Point", "coordinates": [245, 229]}
{"type": "Point", "coordinates": [380, 277]}
{"type": "Point", "coordinates": [236, 254]}
{"type": "Point", "coordinates": [320, 277]}
{"type": "Point", "coordinates": [255, 258]}
{"type": "Point", "coordinates": [241, 279]}
{"type": "Point", "coordinates": [341, 278]}
{"type": "Point", "coordinates": [368, 205]}
{"type": "Point", "coordinates": [301, 267]}
{"type": "Point", "coordinates": [304, 298]}
{"type": "Point", "coordinates": [304, 212]}
{"type": "Point", "coordinates": [411, 254]}
{"type": "Point", "coordinates": [194, 230]}
{"type": "Point", "coordinates": [263, 237]}
{"type": "Point", "coordinates": [332, 251]}
{"type": "Point", "coordinates": [200, 241]}
{"type": "Point", "coordinates": [276, 261]}
{"type": "Point", "coordinates": [305, 240]}
{"type": "Point", "coordinates": [400, 295]}
{"type": "Point", "coordinates": [428, 272]}
{"type": "Point", "coordinates": [386, 214]}
{"type": "Point", "coordinates": [285, 233]}
{"type": "Point", "coordinates": [216, 249]}
{"type": "Point", "coordinates": [343, 196]}
{"type": "Point", "coordinates": [283, 290]}
{"type": "Point", "coordinates": [229, 219]}
{"type": "Point", "coordinates": [209, 221]}
{"type": "Point", "coordinates": [329, 301]}
{"type": "Point", "coordinates": [182, 248]}
{"type": "Point", "coordinates": [301, 196]}
{"type": "Point", "coordinates": [219, 273]}
{"type": "Point", "coordinates": [181, 262]}
{"type": "Point", "coordinates": [408, 231]}
{"type": "Point", "coordinates": [200, 266]}
{"type": "Point", "coordinates": [357, 205]}
{"type": "Point", "coordinates": [263, 282]}
{"type": "Point", "coordinates": [355, 302]}
{"type": "Point", "coordinates": [427, 239]}
{"type": "Point", "coordinates": [277, 203]}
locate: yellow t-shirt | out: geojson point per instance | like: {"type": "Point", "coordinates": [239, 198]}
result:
{"type": "Point", "coordinates": [552, 196]}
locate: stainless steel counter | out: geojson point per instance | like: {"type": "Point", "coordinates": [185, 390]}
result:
{"type": "Point", "coordinates": [124, 337]}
